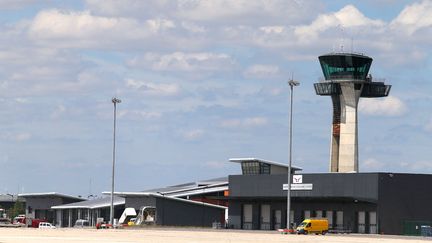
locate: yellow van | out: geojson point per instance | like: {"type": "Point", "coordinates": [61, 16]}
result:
{"type": "Point", "coordinates": [317, 226]}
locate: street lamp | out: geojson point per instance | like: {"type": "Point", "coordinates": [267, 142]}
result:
{"type": "Point", "coordinates": [115, 101]}
{"type": "Point", "coordinates": [291, 83]}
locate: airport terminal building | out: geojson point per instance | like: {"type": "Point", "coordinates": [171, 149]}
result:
{"type": "Point", "coordinates": [371, 203]}
{"type": "Point", "coordinates": [387, 203]}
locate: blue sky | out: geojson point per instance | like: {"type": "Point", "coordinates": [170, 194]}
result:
{"type": "Point", "coordinates": [200, 82]}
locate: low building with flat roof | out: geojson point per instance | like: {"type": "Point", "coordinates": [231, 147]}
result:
{"type": "Point", "coordinates": [205, 198]}
{"type": "Point", "coordinates": [174, 211]}
{"type": "Point", "coordinates": [91, 210]}
{"type": "Point", "coordinates": [385, 203]}
{"type": "Point", "coordinates": [38, 205]}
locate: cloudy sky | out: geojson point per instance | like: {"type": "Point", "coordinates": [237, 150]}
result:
{"type": "Point", "coordinates": [200, 82]}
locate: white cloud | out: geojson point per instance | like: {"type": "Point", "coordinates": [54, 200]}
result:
{"type": "Point", "coordinates": [403, 55]}
{"type": "Point", "coordinates": [63, 24]}
{"type": "Point", "coordinates": [155, 89]}
{"type": "Point", "coordinates": [81, 29]}
{"type": "Point", "coordinates": [180, 61]}
{"type": "Point", "coordinates": [156, 25]}
{"type": "Point", "coordinates": [387, 106]}
{"type": "Point", "coordinates": [261, 71]}
{"type": "Point", "coordinates": [16, 4]}
{"type": "Point", "coordinates": [21, 100]}
{"type": "Point", "coordinates": [275, 91]}
{"type": "Point", "coordinates": [60, 109]}
{"type": "Point", "coordinates": [17, 137]}
{"type": "Point", "coordinates": [22, 137]}
{"type": "Point", "coordinates": [192, 134]}
{"type": "Point", "coordinates": [246, 122]}
{"type": "Point", "coordinates": [139, 114]}
{"type": "Point", "coordinates": [371, 164]}
{"type": "Point", "coordinates": [414, 17]}
{"type": "Point", "coordinates": [42, 74]}
{"type": "Point", "coordinates": [278, 29]}
{"type": "Point", "coordinates": [428, 126]}
{"type": "Point", "coordinates": [423, 166]}
{"type": "Point", "coordinates": [347, 17]}
{"type": "Point", "coordinates": [215, 164]}
{"type": "Point", "coordinates": [245, 11]}
{"type": "Point", "coordinates": [210, 10]}
{"type": "Point", "coordinates": [130, 7]}
{"type": "Point", "coordinates": [193, 27]}
{"type": "Point", "coordinates": [217, 12]}
{"type": "Point", "coordinates": [231, 123]}
{"type": "Point", "coordinates": [255, 121]}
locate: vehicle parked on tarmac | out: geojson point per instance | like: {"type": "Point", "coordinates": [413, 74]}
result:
{"type": "Point", "coordinates": [146, 215]}
{"type": "Point", "coordinates": [34, 223]}
{"type": "Point", "coordinates": [126, 216]}
{"type": "Point", "coordinates": [103, 225]}
{"type": "Point", "coordinates": [46, 225]}
{"type": "Point", "coordinates": [310, 226]}
{"type": "Point", "coordinates": [19, 220]}
{"type": "Point", "coordinates": [81, 223]}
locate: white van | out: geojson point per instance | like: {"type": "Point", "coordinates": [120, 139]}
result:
{"type": "Point", "coordinates": [46, 225]}
{"type": "Point", "coordinates": [81, 223]}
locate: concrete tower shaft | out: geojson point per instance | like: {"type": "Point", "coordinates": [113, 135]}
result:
{"type": "Point", "coordinates": [346, 81]}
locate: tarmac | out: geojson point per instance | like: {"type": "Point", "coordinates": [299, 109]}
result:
{"type": "Point", "coordinates": [184, 235]}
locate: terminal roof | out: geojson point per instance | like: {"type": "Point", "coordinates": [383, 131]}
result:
{"type": "Point", "coordinates": [92, 204]}
{"type": "Point", "coordinates": [49, 194]}
{"type": "Point", "coordinates": [240, 160]}
{"type": "Point", "coordinates": [190, 189]}
{"type": "Point", "coordinates": [160, 195]}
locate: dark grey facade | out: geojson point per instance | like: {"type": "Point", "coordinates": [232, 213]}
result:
{"type": "Point", "coordinates": [91, 210]}
{"type": "Point", "coordinates": [38, 205]}
{"type": "Point", "coordinates": [7, 202]}
{"type": "Point", "coordinates": [404, 202]}
{"type": "Point", "coordinates": [178, 212]}
{"type": "Point", "coordinates": [359, 202]}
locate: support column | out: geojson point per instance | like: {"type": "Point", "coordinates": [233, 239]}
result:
{"type": "Point", "coordinates": [70, 218]}
{"type": "Point", "coordinates": [348, 143]}
{"type": "Point", "coordinates": [59, 216]}
{"type": "Point", "coordinates": [335, 136]}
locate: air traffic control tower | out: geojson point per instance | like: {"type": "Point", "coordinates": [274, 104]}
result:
{"type": "Point", "coordinates": [346, 80]}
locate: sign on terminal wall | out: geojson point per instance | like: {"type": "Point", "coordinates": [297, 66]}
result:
{"type": "Point", "coordinates": [298, 187]}
{"type": "Point", "coordinates": [297, 179]}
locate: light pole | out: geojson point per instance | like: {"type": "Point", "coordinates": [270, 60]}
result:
{"type": "Point", "coordinates": [115, 101]}
{"type": "Point", "coordinates": [291, 83]}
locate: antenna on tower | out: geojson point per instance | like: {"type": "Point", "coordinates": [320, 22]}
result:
{"type": "Point", "coordinates": [90, 189]}
{"type": "Point", "coordinates": [342, 29]}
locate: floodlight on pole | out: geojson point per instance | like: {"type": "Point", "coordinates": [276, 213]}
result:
{"type": "Point", "coordinates": [115, 101]}
{"type": "Point", "coordinates": [291, 83]}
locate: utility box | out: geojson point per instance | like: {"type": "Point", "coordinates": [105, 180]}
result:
{"type": "Point", "coordinates": [426, 230]}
